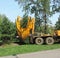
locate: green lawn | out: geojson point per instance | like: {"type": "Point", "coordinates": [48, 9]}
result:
{"type": "Point", "coordinates": [19, 49]}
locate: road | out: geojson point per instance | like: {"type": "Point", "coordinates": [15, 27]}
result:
{"type": "Point", "coordinates": [42, 54]}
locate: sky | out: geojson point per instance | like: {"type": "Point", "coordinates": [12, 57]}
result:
{"type": "Point", "coordinates": [11, 9]}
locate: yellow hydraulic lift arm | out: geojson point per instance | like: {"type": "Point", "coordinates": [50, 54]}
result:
{"type": "Point", "coordinates": [25, 32]}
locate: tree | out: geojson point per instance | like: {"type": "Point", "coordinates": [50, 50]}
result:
{"type": "Point", "coordinates": [0, 22]}
{"type": "Point", "coordinates": [57, 25]}
{"type": "Point", "coordinates": [42, 9]}
{"type": "Point", "coordinates": [56, 6]}
{"type": "Point", "coordinates": [7, 26]}
{"type": "Point", "coordinates": [24, 21]}
{"type": "Point", "coordinates": [37, 7]}
{"type": "Point", "coordinates": [7, 29]}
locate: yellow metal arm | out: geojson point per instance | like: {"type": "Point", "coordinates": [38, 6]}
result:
{"type": "Point", "coordinates": [25, 32]}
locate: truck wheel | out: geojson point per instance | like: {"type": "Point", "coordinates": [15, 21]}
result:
{"type": "Point", "coordinates": [49, 41]}
{"type": "Point", "coordinates": [39, 41]}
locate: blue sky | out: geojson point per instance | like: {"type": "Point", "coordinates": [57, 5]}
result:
{"type": "Point", "coordinates": [11, 9]}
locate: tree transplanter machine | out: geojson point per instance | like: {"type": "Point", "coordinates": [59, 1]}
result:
{"type": "Point", "coordinates": [35, 37]}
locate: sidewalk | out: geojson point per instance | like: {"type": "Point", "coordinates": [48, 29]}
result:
{"type": "Point", "coordinates": [42, 54]}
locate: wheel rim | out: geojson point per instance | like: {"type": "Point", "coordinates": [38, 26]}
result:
{"type": "Point", "coordinates": [49, 40]}
{"type": "Point", "coordinates": [39, 41]}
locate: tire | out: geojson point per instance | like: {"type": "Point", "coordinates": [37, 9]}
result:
{"type": "Point", "coordinates": [49, 41]}
{"type": "Point", "coordinates": [39, 41]}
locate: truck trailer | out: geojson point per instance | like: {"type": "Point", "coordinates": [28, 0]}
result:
{"type": "Point", "coordinates": [35, 37]}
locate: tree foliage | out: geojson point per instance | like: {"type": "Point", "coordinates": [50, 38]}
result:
{"type": "Point", "coordinates": [57, 25]}
{"type": "Point", "coordinates": [36, 7]}
{"type": "Point", "coordinates": [56, 6]}
{"type": "Point", "coordinates": [42, 9]}
{"type": "Point", "coordinates": [24, 21]}
{"type": "Point", "coordinates": [7, 28]}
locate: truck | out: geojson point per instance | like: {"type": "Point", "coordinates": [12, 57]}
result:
{"type": "Point", "coordinates": [35, 37]}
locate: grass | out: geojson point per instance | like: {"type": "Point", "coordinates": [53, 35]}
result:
{"type": "Point", "coordinates": [19, 49]}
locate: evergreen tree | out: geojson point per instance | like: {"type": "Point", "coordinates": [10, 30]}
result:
{"type": "Point", "coordinates": [7, 29]}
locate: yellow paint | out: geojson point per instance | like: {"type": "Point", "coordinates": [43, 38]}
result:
{"type": "Point", "coordinates": [25, 32]}
{"type": "Point", "coordinates": [57, 32]}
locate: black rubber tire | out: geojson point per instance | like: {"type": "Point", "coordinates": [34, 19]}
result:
{"type": "Point", "coordinates": [49, 40]}
{"type": "Point", "coordinates": [39, 41]}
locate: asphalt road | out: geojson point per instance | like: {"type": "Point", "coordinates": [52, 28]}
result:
{"type": "Point", "coordinates": [42, 54]}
